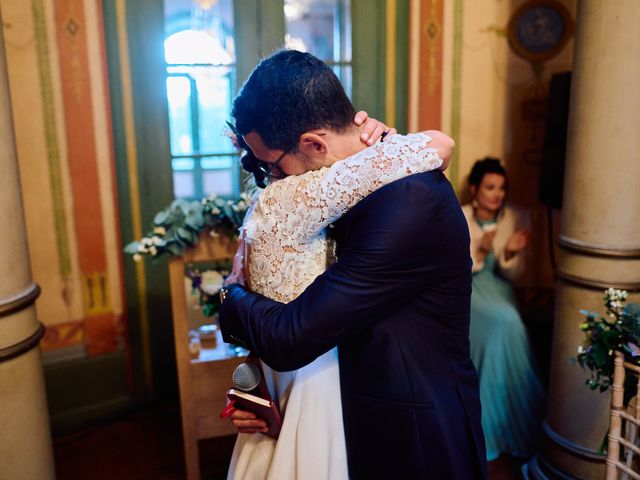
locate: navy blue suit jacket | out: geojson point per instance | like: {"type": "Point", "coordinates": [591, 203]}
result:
{"type": "Point", "coordinates": [396, 303]}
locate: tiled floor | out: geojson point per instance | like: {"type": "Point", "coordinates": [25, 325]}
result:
{"type": "Point", "coordinates": [147, 445]}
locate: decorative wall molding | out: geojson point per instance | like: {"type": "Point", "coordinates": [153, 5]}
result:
{"type": "Point", "coordinates": [20, 301]}
{"type": "Point", "coordinates": [51, 133]}
{"type": "Point", "coordinates": [17, 349]}
{"type": "Point", "coordinates": [595, 284]}
{"type": "Point", "coordinates": [596, 249]}
{"type": "Point", "coordinates": [456, 93]}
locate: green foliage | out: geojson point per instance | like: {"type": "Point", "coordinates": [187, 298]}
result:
{"type": "Point", "coordinates": [179, 226]}
{"type": "Point", "coordinates": [620, 332]}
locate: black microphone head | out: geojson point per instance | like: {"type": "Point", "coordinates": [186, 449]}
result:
{"type": "Point", "coordinates": [246, 377]}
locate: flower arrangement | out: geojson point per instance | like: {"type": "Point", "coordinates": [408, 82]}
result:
{"type": "Point", "coordinates": [178, 226]}
{"type": "Point", "coordinates": [619, 332]}
{"type": "Point", "coordinates": [207, 285]}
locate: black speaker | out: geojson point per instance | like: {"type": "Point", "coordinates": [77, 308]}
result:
{"type": "Point", "coordinates": [555, 141]}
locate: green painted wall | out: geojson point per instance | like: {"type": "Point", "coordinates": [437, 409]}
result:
{"type": "Point", "coordinates": [368, 19]}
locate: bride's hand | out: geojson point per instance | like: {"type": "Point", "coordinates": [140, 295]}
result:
{"type": "Point", "coordinates": [445, 145]}
{"type": "Point", "coordinates": [247, 422]}
{"type": "Point", "coordinates": [372, 129]}
{"type": "Point", "coordinates": [237, 270]}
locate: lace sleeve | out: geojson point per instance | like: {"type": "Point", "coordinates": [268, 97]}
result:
{"type": "Point", "coordinates": [305, 204]}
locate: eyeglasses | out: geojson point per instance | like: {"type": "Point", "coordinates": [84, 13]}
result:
{"type": "Point", "coordinates": [268, 168]}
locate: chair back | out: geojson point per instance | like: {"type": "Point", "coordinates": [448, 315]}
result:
{"type": "Point", "coordinates": [623, 425]}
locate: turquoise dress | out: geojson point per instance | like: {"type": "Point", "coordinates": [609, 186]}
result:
{"type": "Point", "coordinates": [511, 394]}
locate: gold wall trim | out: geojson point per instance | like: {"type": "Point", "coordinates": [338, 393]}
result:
{"type": "Point", "coordinates": [17, 349]}
{"type": "Point", "coordinates": [596, 249]}
{"type": "Point", "coordinates": [19, 301]}
{"type": "Point", "coordinates": [134, 181]}
{"type": "Point", "coordinates": [51, 137]}
{"type": "Point", "coordinates": [456, 89]}
{"type": "Point", "coordinates": [390, 70]}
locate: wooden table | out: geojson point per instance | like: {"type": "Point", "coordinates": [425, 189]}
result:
{"type": "Point", "coordinates": [203, 381]}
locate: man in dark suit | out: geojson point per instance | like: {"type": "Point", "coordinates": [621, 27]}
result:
{"type": "Point", "coordinates": [396, 303]}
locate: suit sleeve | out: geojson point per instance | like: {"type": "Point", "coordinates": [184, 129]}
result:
{"type": "Point", "coordinates": [373, 276]}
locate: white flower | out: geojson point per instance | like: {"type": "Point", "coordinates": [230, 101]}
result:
{"type": "Point", "coordinates": [156, 240]}
{"type": "Point", "coordinates": [153, 250]}
{"type": "Point", "coordinates": [160, 230]}
{"type": "Point", "coordinates": [142, 248]}
{"type": "Point", "coordinates": [580, 349]}
{"type": "Point", "coordinates": [211, 282]}
{"type": "Point", "coordinates": [137, 257]}
{"type": "Point", "coordinates": [215, 211]}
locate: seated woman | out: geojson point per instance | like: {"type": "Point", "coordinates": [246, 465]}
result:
{"type": "Point", "coordinates": [511, 394]}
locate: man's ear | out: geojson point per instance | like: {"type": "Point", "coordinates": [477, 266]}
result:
{"type": "Point", "coordinates": [312, 144]}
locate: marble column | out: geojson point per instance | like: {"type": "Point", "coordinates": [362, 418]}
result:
{"type": "Point", "coordinates": [25, 439]}
{"type": "Point", "coordinates": [600, 234]}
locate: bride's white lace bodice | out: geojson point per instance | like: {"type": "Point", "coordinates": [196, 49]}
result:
{"type": "Point", "coordinates": [285, 230]}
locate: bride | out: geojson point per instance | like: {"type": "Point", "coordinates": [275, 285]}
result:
{"type": "Point", "coordinates": [285, 247]}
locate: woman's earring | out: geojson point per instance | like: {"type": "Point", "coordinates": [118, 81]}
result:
{"type": "Point", "coordinates": [474, 203]}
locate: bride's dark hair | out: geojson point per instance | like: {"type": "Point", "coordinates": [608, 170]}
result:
{"type": "Point", "coordinates": [251, 164]}
{"type": "Point", "coordinates": [248, 161]}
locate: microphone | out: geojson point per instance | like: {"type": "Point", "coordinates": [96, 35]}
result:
{"type": "Point", "coordinates": [246, 377]}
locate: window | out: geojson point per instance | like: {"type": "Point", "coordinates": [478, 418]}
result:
{"type": "Point", "coordinates": [201, 68]}
{"type": "Point", "coordinates": [322, 28]}
{"type": "Point", "coordinates": [201, 83]}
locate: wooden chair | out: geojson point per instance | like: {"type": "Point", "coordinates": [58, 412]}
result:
{"type": "Point", "coordinates": [623, 445]}
{"type": "Point", "coordinates": [205, 380]}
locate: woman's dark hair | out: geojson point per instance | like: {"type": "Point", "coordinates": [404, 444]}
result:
{"type": "Point", "coordinates": [484, 166]}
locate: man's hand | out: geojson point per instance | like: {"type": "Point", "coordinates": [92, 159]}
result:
{"type": "Point", "coordinates": [372, 129]}
{"type": "Point", "coordinates": [444, 143]}
{"type": "Point", "coordinates": [247, 422]}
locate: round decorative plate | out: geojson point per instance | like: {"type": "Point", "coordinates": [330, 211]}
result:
{"type": "Point", "coordinates": [539, 29]}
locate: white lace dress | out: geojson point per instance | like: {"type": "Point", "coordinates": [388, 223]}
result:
{"type": "Point", "coordinates": [285, 232]}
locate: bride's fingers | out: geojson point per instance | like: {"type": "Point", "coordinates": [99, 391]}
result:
{"type": "Point", "coordinates": [250, 426]}
{"type": "Point", "coordinates": [251, 431]}
{"type": "Point", "coordinates": [377, 133]}
{"type": "Point", "coordinates": [360, 117]}
{"type": "Point", "coordinates": [252, 423]}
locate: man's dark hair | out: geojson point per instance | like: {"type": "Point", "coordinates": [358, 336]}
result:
{"type": "Point", "coordinates": [290, 93]}
{"type": "Point", "coordinates": [484, 166]}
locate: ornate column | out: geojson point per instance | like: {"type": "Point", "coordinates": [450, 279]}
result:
{"type": "Point", "coordinates": [25, 441]}
{"type": "Point", "coordinates": [600, 235]}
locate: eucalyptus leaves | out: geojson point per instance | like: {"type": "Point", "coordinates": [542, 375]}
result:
{"type": "Point", "coordinates": [178, 226]}
{"type": "Point", "coordinates": [621, 332]}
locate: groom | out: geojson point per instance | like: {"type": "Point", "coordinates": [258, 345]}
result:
{"type": "Point", "coordinates": [396, 303]}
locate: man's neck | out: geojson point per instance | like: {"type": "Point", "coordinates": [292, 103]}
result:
{"type": "Point", "coordinates": [344, 145]}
